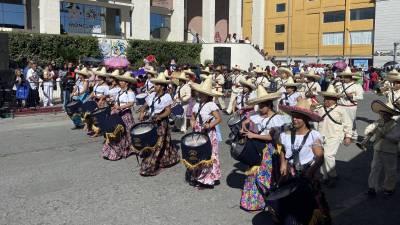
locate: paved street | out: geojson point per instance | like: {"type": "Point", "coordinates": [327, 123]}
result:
{"type": "Point", "coordinates": [52, 175]}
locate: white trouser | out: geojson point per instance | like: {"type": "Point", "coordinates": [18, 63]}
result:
{"type": "Point", "coordinates": [181, 124]}
{"type": "Point", "coordinates": [351, 113]}
{"type": "Point", "coordinates": [47, 94]}
{"type": "Point", "coordinates": [331, 146]}
{"type": "Point", "coordinates": [388, 163]}
{"type": "Point", "coordinates": [232, 102]}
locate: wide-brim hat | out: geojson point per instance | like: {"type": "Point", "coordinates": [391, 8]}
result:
{"type": "Point", "coordinates": [248, 83]}
{"type": "Point", "coordinates": [302, 107]}
{"type": "Point", "coordinates": [84, 71]}
{"type": "Point", "coordinates": [393, 72]}
{"type": "Point", "coordinates": [206, 70]}
{"type": "Point", "coordinates": [290, 83]}
{"type": "Point", "coordinates": [189, 71]}
{"type": "Point", "coordinates": [206, 88]}
{"type": "Point", "coordinates": [346, 72]}
{"type": "Point", "coordinates": [378, 106]}
{"type": "Point", "coordinates": [127, 77]}
{"type": "Point", "coordinates": [102, 72]}
{"type": "Point", "coordinates": [312, 74]}
{"type": "Point", "coordinates": [236, 68]}
{"type": "Point", "coordinates": [263, 96]}
{"type": "Point", "coordinates": [161, 79]}
{"type": "Point", "coordinates": [393, 75]}
{"type": "Point", "coordinates": [114, 74]}
{"type": "Point", "coordinates": [182, 76]}
{"type": "Point", "coordinates": [330, 92]}
{"type": "Point", "coordinates": [258, 70]}
{"type": "Point", "coordinates": [285, 70]}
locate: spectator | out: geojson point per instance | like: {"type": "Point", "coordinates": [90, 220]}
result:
{"type": "Point", "coordinates": [67, 84]}
{"type": "Point", "coordinates": [28, 66]}
{"type": "Point", "coordinates": [33, 79]}
{"type": "Point", "coordinates": [217, 38]}
{"type": "Point", "coordinates": [247, 41]}
{"type": "Point", "coordinates": [48, 76]}
{"type": "Point", "coordinates": [196, 38]}
{"type": "Point", "coordinates": [228, 39]}
{"type": "Point", "coordinates": [61, 74]}
{"type": "Point", "coordinates": [234, 38]}
{"type": "Point", "coordinates": [20, 88]}
{"type": "Point", "coordinates": [374, 79]}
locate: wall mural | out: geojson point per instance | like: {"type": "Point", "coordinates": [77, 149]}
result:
{"type": "Point", "coordinates": [113, 47]}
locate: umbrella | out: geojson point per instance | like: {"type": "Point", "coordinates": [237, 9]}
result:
{"type": "Point", "coordinates": [340, 65]}
{"type": "Point", "coordinates": [390, 63]}
{"type": "Point", "coordinates": [116, 62]}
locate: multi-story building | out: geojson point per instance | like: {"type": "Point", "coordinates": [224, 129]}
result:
{"type": "Point", "coordinates": [387, 32]}
{"type": "Point", "coordinates": [312, 30]}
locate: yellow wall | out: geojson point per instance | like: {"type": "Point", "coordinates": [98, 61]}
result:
{"type": "Point", "coordinates": [306, 28]}
{"type": "Point", "coordinates": [247, 18]}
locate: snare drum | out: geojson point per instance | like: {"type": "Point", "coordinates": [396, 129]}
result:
{"type": "Point", "coordinates": [235, 125]}
{"type": "Point", "coordinates": [249, 153]}
{"type": "Point", "coordinates": [176, 113]}
{"type": "Point", "coordinates": [196, 148]}
{"type": "Point", "coordinates": [100, 117]}
{"type": "Point", "coordinates": [73, 107]}
{"type": "Point", "coordinates": [89, 107]}
{"type": "Point", "coordinates": [144, 135]}
{"type": "Point", "coordinates": [141, 98]}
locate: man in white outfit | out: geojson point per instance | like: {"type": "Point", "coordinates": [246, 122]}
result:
{"type": "Point", "coordinates": [182, 96]}
{"type": "Point", "coordinates": [237, 88]}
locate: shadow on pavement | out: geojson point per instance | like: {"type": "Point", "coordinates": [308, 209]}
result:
{"type": "Point", "coordinates": [262, 218]}
{"type": "Point", "coordinates": [235, 179]}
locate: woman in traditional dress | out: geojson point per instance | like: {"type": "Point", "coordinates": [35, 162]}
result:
{"type": "Point", "coordinates": [124, 103]}
{"type": "Point", "coordinates": [80, 93]}
{"type": "Point", "coordinates": [114, 87]}
{"type": "Point", "coordinates": [260, 176]}
{"type": "Point", "coordinates": [205, 118]}
{"type": "Point", "coordinates": [158, 108]}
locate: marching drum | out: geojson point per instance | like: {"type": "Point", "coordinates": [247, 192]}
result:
{"type": "Point", "coordinates": [89, 107]}
{"type": "Point", "coordinates": [144, 135]}
{"type": "Point", "coordinates": [249, 153]}
{"type": "Point", "coordinates": [110, 123]}
{"type": "Point", "coordinates": [196, 147]}
{"type": "Point", "coordinates": [100, 117]}
{"type": "Point", "coordinates": [73, 107]}
{"type": "Point", "coordinates": [141, 98]}
{"type": "Point", "coordinates": [235, 125]}
{"type": "Point", "coordinates": [176, 114]}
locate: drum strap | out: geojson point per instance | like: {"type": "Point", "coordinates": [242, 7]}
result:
{"type": "Point", "coordinates": [286, 98]}
{"type": "Point", "coordinates": [327, 113]}
{"type": "Point", "coordinates": [266, 125]}
{"type": "Point", "coordinates": [198, 114]}
{"type": "Point", "coordinates": [296, 152]}
{"type": "Point", "coordinates": [309, 88]}
{"type": "Point", "coordinates": [119, 95]}
{"type": "Point", "coordinates": [347, 95]}
{"type": "Point", "coordinates": [153, 102]}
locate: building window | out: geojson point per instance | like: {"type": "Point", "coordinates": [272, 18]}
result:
{"type": "Point", "coordinates": [159, 25]}
{"type": "Point", "coordinates": [12, 14]}
{"type": "Point", "coordinates": [279, 46]}
{"type": "Point", "coordinates": [361, 37]}
{"type": "Point", "coordinates": [281, 7]}
{"type": "Point", "coordinates": [280, 28]}
{"type": "Point", "coordinates": [89, 19]}
{"type": "Point", "coordinates": [362, 14]}
{"type": "Point", "coordinates": [332, 38]}
{"type": "Point", "coordinates": [335, 16]}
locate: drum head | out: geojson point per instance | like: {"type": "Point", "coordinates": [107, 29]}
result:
{"type": "Point", "coordinates": [142, 128]}
{"type": "Point", "coordinates": [194, 140]}
{"type": "Point", "coordinates": [235, 120]}
{"type": "Point", "coordinates": [101, 111]}
{"type": "Point", "coordinates": [141, 95]}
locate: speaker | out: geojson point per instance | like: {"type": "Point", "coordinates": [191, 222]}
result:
{"type": "Point", "coordinates": [4, 51]}
{"type": "Point", "coordinates": [222, 56]}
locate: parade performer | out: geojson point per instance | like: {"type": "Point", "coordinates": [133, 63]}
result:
{"type": "Point", "coordinates": [158, 108]}
{"type": "Point", "coordinates": [291, 95]}
{"type": "Point", "coordinates": [114, 87]}
{"type": "Point", "coordinates": [236, 88]}
{"type": "Point", "coordinates": [261, 77]}
{"type": "Point", "coordinates": [205, 118]}
{"type": "Point", "coordinates": [219, 80]}
{"type": "Point", "coordinates": [248, 93]}
{"type": "Point", "coordinates": [260, 176]}
{"type": "Point", "coordinates": [100, 89]}
{"type": "Point", "coordinates": [301, 158]}
{"type": "Point", "coordinates": [336, 128]}
{"type": "Point", "coordinates": [350, 94]}
{"type": "Point", "coordinates": [311, 87]}
{"type": "Point", "coordinates": [385, 149]}
{"type": "Point", "coordinates": [284, 75]}
{"type": "Point", "coordinates": [80, 93]}
{"type": "Point", "coordinates": [148, 85]}
{"type": "Point", "coordinates": [124, 103]}
{"type": "Point", "coordinates": [182, 96]}
{"type": "Point", "coordinates": [392, 92]}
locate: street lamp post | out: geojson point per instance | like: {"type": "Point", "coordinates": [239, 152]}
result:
{"type": "Point", "coordinates": [395, 51]}
{"type": "Point", "coordinates": [351, 46]}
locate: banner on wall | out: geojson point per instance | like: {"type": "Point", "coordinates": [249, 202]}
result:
{"type": "Point", "coordinates": [113, 47]}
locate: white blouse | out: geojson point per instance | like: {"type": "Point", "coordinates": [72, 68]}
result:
{"type": "Point", "coordinates": [261, 122]}
{"type": "Point", "coordinates": [113, 92]}
{"type": "Point", "coordinates": [306, 154]}
{"type": "Point", "coordinates": [100, 90]}
{"type": "Point", "coordinates": [148, 86]}
{"type": "Point", "coordinates": [125, 97]}
{"type": "Point", "coordinates": [291, 98]}
{"type": "Point", "coordinates": [205, 112]}
{"type": "Point", "coordinates": [159, 103]}
{"type": "Point", "coordinates": [247, 97]}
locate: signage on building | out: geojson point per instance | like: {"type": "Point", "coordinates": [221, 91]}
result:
{"type": "Point", "coordinates": [163, 3]}
{"type": "Point", "coordinates": [82, 19]}
{"type": "Point", "coordinates": [113, 47]}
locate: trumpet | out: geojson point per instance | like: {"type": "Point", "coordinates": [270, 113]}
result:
{"type": "Point", "coordinates": [363, 145]}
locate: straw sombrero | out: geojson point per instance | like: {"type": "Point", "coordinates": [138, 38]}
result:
{"type": "Point", "coordinates": [393, 72]}
{"type": "Point", "coordinates": [206, 88]}
{"type": "Point", "coordinates": [189, 71]}
{"type": "Point", "coordinates": [302, 107]}
{"type": "Point", "coordinates": [116, 73]}
{"type": "Point", "coordinates": [84, 71]}
{"type": "Point", "coordinates": [182, 76]}
{"type": "Point", "coordinates": [127, 77]}
{"type": "Point", "coordinates": [236, 68]}
{"type": "Point", "coordinates": [102, 72]}
{"type": "Point", "coordinates": [346, 72]}
{"type": "Point", "coordinates": [206, 70]}
{"type": "Point", "coordinates": [378, 106]}
{"type": "Point", "coordinates": [312, 74]}
{"type": "Point", "coordinates": [248, 83]}
{"type": "Point", "coordinates": [393, 75]}
{"type": "Point", "coordinates": [285, 70]}
{"type": "Point", "coordinates": [330, 92]}
{"type": "Point", "coordinates": [263, 96]}
{"type": "Point", "coordinates": [258, 70]}
{"type": "Point", "coordinates": [161, 79]}
{"type": "Point", "coordinates": [290, 83]}
{"type": "Point", "coordinates": [151, 71]}
{"type": "Point", "coordinates": [302, 71]}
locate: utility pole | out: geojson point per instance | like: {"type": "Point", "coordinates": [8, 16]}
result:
{"type": "Point", "coordinates": [395, 51]}
{"type": "Point", "coordinates": [288, 33]}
